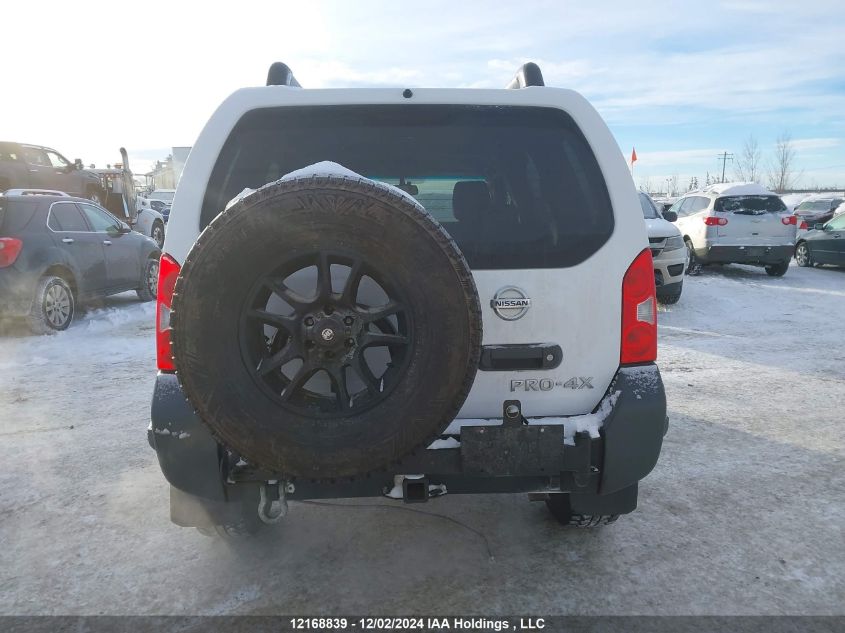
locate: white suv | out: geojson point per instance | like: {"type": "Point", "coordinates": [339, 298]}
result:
{"type": "Point", "coordinates": [667, 249]}
{"type": "Point", "coordinates": [742, 223]}
{"type": "Point", "coordinates": [462, 301]}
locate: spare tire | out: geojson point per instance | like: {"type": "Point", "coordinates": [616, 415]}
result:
{"type": "Point", "coordinates": [325, 327]}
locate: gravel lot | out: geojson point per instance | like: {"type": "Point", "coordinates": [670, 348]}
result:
{"type": "Point", "coordinates": [743, 514]}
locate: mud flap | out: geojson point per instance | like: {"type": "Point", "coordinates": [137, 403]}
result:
{"type": "Point", "coordinates": [190, 458]}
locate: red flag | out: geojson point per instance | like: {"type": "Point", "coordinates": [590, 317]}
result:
{"type": "Point", "coordinates": [633, 155]}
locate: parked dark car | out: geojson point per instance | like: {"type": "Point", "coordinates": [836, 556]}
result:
{"type": "Point", "coordinates": [825, 244]}
{"type": "Point", "coordinates": [36, 167]}
{"type": "Point", "coordinates": [57, 251]}
{"type": "Point", "coordinates": [817, 211]}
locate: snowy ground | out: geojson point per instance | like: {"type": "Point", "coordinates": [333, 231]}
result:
{"type": "Point", "coordinates": [744, 513]}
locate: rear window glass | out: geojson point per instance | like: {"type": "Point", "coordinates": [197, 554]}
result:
{"type": "Point", "coordinates": [15, 215]}
{"type": "Point", "coordinates": [749, 205]}
{"type": "Point", "coordinates": [516, 187]}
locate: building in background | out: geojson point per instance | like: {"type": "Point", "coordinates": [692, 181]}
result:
{"type": "Point", "coordinates": [166, 173]}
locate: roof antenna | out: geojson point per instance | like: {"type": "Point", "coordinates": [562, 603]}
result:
{"type": "Point", "coordinates": [281, 75]}
{"type": "Point", "coordinates": [528, 75]}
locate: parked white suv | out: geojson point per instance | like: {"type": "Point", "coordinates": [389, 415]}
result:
{"type": "Point", "coordinates": [667, 249]}
{"type": "Point", "coordinates": [462, 301]}
{"type": "Point", "coordinates": [742, 223]}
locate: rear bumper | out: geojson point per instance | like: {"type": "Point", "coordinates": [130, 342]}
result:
{"type": "Point", "coordinates": [760, 255]}
{"type": "Point", "coordinates": [512, 457]}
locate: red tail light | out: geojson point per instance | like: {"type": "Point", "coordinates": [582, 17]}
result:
{"type": "Point", "coordinates": [714, 221]}
{"type": "Point", "coordinates": [10, 248]}
{"type": "Point", "coordinates": [639, 312]}
{"type": "Point", "coordinates": [790, 219]}
{"type": "Point", "coordinates": [168, 271]}
{"type": "Point", "coordinates": [803, 225]}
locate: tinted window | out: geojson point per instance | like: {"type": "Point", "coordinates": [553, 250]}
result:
{"type": "Point", "coordinates": [837, 223]}
{"type": "Point", "coordinates": [516, 187]}
{"type": "Point", "coordinates": [8, 152]}
{"type": "Point", "coordinates": [750, 205]}
{"type": "Point", "coordinates": [65, 216]}
{"type": "Point", "coordinates": [35, 156]}
{"type": "Point", "coordinates": [99, 219]}
{"type": "Point", "coordinates": [16, 216]}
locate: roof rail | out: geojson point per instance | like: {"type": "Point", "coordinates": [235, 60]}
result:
{"type": "Point", "coordinates": [36, 192]}
{"type": "Point", "coordinates": [528, 75]}
{"type": "Point", "coordinates": [281, 75]}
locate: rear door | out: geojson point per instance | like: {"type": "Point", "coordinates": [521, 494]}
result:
{"type": "Point", "coordinates": [753, 220]}
{"type": "Point", "coordinates": [521, 192]}
{"type": "Point", "coordinates": [121, 250]}
{"type": "Point", "coordinates": [82, 247]}
{"type": "Point", "coordinates": [828, 245]}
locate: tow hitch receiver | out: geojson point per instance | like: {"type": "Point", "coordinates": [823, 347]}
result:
{"type": "Point", "coordinates": [415, 490]}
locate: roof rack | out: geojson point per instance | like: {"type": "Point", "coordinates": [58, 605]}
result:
{"type": "Point", "coordinates": [36, 192]}
{"type": "Point", "coordinates": [528, 75]}
{"type": "Point", "coordinates": [281, 75]}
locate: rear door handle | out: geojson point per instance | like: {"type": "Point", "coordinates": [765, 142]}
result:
{"type": "Point", "coordinates": [107, 242]}
{"type": "Point", "coordinates": [67, 240]}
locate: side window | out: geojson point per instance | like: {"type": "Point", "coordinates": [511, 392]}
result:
{"type": "Point", "coordinates": [101, 220]}
{"type": "Point", "coordinates": [837, 223]}
{"type": "Point", "coordinates": [8, 152]}
{"type": "Point", "coordinates": [57, 161]}
{"type": "Point", "coordinates": [676, 207]}
{"type": "Point", "coordinates": [684, 206]}
{"type": "Point", "coordinates": [66, 216]}
{"type": "Point", "coordinates": [35, 156]}
{"type": "Point", "coordinates": [701, 203]}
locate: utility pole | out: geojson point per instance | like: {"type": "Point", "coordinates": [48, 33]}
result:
{"type": "Point", "coordinates": [724, 157]}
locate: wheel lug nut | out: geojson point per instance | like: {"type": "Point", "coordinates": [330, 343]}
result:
{"type": "Point", "coordinates": [348, 320]}
{"type": "Point", "coordinates": [309, 344]}
{"type": "Point", "coordinates": [309, 321]}
{"type": "Point", "coordinates": [350, 342]}
{"type": "Point", "coordinates": [329, 355]}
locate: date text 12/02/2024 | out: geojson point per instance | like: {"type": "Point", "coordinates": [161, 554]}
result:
{"type": "Point", "coordinates": [418, 624]}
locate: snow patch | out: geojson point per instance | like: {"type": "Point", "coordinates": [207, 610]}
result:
{"type": "Point", "coordinates": [739, 189]}
{"type": "Point", "coordinates": [590, 422]}
{"type": "Point", "coordinates": [449, 442]}
{"type": "Point", "coordinates": [324, 168]}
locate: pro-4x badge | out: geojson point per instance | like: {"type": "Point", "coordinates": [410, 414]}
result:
{"type": "Point", "coordinates": [547, 384]}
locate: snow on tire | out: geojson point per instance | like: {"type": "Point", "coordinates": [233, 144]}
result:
{"type": "Point", "coordinates": [325, 327]}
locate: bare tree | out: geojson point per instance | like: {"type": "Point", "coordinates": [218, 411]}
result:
{"type": "Point", "coordinates": [782, 173]}
{"type": "Point", "coordinates": [645, 184]}
{"type": "Point", "coordinates": [747, 164]}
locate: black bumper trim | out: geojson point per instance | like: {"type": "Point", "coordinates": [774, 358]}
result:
{"type": "Point", "coordinates": [521, 458]}
{"type": "Point", "coordinates": [759, 255]}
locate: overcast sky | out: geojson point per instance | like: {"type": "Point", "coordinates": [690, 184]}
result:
{"type": "Point", "coordinates": [680, 81]}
